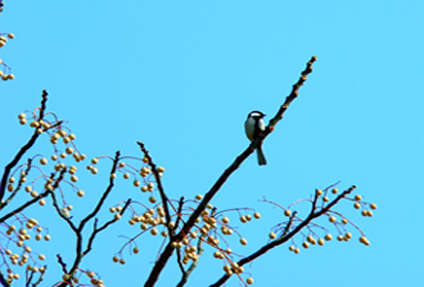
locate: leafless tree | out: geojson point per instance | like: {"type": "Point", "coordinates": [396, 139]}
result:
{"type": "Point", "coordinates": [186, 226]}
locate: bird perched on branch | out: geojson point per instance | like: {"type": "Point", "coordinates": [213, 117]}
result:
{"type": "Point", "coordinates": [253, 126]}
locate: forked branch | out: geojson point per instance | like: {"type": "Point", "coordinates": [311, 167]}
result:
{"type": "Point", "coordinates": [167, 252]}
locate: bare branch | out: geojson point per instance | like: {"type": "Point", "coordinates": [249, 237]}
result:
{"type": "Point", "coordinates": [289, 235]}
{"type": "Point", "coordinates": [40, 279]}
{"type": "Point", "coordinates": [162, 193]}
{"type": "Point", "coordinates": [179, 217]}
{"type": "Point", "coordinates": [105, 194]}
{"type": "Point", "coordinates": [3, 281]}
{"type": "Point", "coordinates": [35, 199]}
{"type": "Point", "coordinates": [9, 199]}
{"type": "Point", "coordinates": [23, 149]}
{"type": "Point", "coordinates": [97, 230]}
{"type": "Point", "coordinates": [167, 252]}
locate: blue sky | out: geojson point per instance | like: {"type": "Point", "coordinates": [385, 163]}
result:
{"type": "Point", "coordinates": [182, 77]}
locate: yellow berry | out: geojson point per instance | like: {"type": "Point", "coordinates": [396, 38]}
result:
{"type": "Point", "coordinates": [80, 193]}
{"type": "Point", "coordinates": [243, 241]}
{"type": "Point", "coordinates": [321, 242]}
{"type": "Point", "coordinates": [297, 251]}
{"type": "Point", "coordinates": [373, 206]}
{"type": "Point", "coordinates": [344, 221]}
{"type": "Point", "coordinates": [11, 35]}
{"type": "Point", "coordinates": [311, 240]}
{"type": "Point", "coordinates": [358, 197]}
{"type": "Point", "coordinates": [287, 212]}
{"type": "Point", "coordinates": [326, 199]}
{"type": "Point", "coordinates": [42, 202]}
{"type": "Point", "coordinates": [364, 240]}
{"type": "Point", "coordinates": [152, 199]}
{"type": "Point", "coordinates": [43, 161]}
{"type": "Point", "coordinates": [318, 192]}
{"type": "Point", "coordinates": [136, 183]}
{"type": "Point", "coordinates": [272, 235]}
{"type": "Point", "coordinates": [257, 215]}
{"type": "Point", "coordinates": [357, 205]}
{"type": "Point", "coordinates": [332, 219]}
{"type": "Point", "coordinates": [115, 259]}
{"type": "Point", "coordinates": [305, 245]}
{"type": "Point", "coordinates": [249, 280]}
{"type": "Point", "coordinates": [334, 190]}
{"type": "Point", "coordinates": [47, 237]}
{"type": "Point", "coordinates": [154, 231]}
{"type": "Point", "coordinates": [69, 150]}
{"type": "Point", "coordinates": [62, 133]}
{"type": "Point", "coordinates": [74, 178]}
{"type": "Point", "coordinates": [34, 124]}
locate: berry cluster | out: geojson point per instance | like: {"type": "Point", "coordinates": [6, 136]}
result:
{"type": "Point", "coordinates": [17, 236]}
{"type": "Point", "coordinates": [5, 73]}
{"type": "Point", "coordinates": [317, 234]}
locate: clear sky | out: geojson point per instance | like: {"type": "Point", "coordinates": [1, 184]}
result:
{"type": "Point", "coordinates": [181, 76]}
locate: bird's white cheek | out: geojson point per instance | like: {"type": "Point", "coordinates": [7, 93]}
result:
{"type": "Point", "coordinates": [262, 125]}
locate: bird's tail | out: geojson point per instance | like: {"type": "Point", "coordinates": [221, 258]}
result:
{"type": "Point", "coordinates": [261, 156]}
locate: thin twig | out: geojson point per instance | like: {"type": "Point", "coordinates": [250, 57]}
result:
{"type": "Point", "coordinates": [103, 227]}
{"type": "Point", "coordinates": [162, 193]}
{"type": "Point", "coordinates": [179, 217]}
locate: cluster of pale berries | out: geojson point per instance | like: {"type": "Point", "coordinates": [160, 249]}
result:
{"type": "Point", "coordinates": [92, 275]}
{"type": "Point", "coordinates": [43, 126]}
{"type": "Point", "coordinates": [153, 219]}
{"type": "Point", "coordinates": [3, 41]}
{"type": "Point", "coordinates": [145, 184]}
{"type": "Point", "coordinates": [20, 236]}
{"type": "Point", "coordinates": [341, 237]}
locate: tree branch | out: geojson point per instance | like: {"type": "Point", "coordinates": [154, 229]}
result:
{"type": "Point", "coordinates": [162, 193]}
{"type": "Point", "coordinates": [285, 237]}
{"type": "Point", "coordinates": [23, 149]}
{"type": "Point", "coordinates": [167, 252]}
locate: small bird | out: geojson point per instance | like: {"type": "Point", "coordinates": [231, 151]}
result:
{"type": "Point", "coordinates": [253, 126]}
